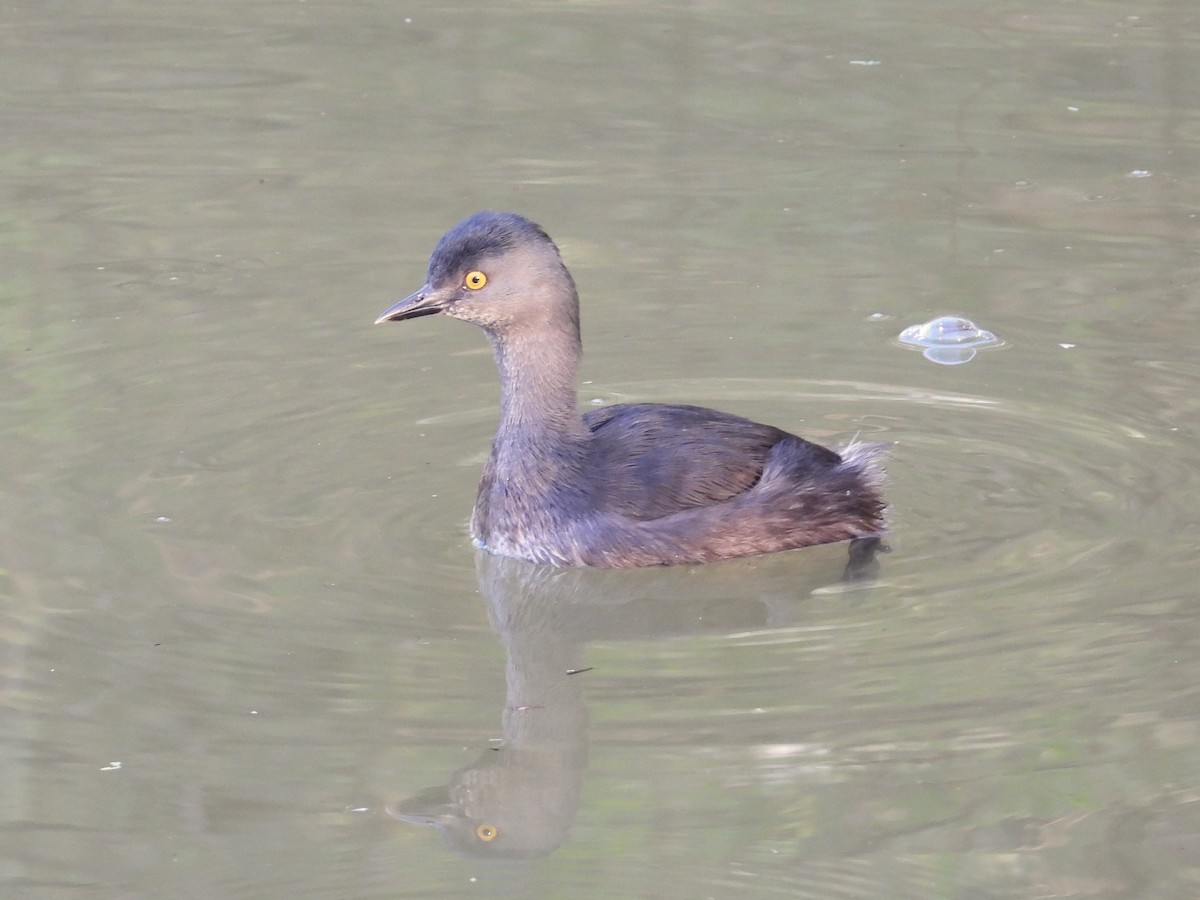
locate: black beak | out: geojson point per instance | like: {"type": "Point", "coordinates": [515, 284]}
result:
{"type": "Point", "coordinates": [421, 303]}
{"type": "Point", "coordinates": [432, 806]}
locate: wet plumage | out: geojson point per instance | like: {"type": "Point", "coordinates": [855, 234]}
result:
{"type": "Point", "coordinates": [630, 484]}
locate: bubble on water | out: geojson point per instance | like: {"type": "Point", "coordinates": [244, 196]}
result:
{"type": "Point", "coordinates": [948, 340]}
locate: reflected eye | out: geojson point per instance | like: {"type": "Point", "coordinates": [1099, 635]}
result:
{"type": "Point", "coordinates": [474, 280]}
{"type": "Point", "coordinates": [486, 832]}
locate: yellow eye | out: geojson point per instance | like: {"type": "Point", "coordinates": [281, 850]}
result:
{"type": "Point", "coordinates": [473, 282]}
{"type": "Point", "coordinates": [485, 832]}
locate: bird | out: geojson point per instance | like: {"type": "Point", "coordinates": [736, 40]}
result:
{"type": "Point", "coordinates": [630, 484]}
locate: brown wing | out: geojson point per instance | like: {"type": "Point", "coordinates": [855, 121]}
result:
{"type": "Point", "coordinates": [659, 459]}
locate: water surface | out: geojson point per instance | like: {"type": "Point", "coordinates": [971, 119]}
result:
{"type": "Point", "coordinates": [247, 646]}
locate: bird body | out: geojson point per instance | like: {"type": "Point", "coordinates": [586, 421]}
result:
{"type": "Point", "coordinates": [630, 484]}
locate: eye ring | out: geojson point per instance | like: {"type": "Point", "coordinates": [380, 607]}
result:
{"type": "Point", "coordinates": [486, 832]}
{"type": "Point", "coordinates": [474, 280]}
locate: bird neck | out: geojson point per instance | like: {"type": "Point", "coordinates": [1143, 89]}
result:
{"type": "Point", "coordinates": [539, 454]}
{"type": "Point", "coordinates": [538, 368]}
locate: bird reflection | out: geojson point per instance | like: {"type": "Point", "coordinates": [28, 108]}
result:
{"type": "Point", "coordinates": [519, 798]}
